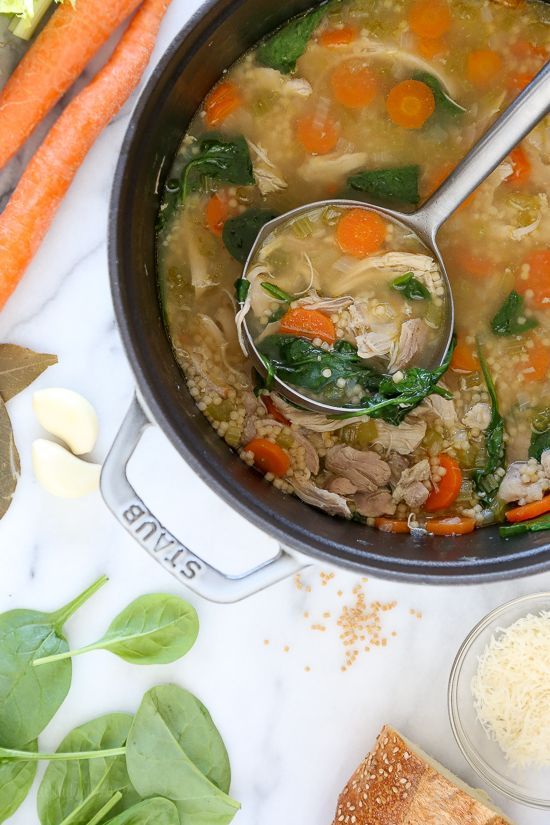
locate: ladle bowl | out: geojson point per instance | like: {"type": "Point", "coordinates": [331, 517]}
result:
{"type": "Point", "coordinates": [507, 131]}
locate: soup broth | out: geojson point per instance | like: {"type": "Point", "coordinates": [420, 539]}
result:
{"type": "Point", "coordinates": [377, 99]}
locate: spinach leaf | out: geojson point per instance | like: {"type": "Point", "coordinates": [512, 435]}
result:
{"type": "Point", "coordinates": [241, 289]}
{"type": "Point", "coordinates": [239, 233]}
{"type": "Point", "coordinates": [399, 183]}
{"type": "Point", "coordinates": [299, 362]}
{"type": "Point", "coordinates": [534, 525]}
{"type": "Point", "coordinates": [411, 287]}
{"type": "Point", "coordinates": [506, 321]}
{"type": "Point", "coordinates": [71, 792]}
{"type": "Point", "coordinates": [16, 780]}
{"type": "Point", "coordinates": [220, 157]}
{"type": "Point", "coordinates": [174, 750]}
{"type": "Point", "coordinates": [153, 630]}
{"type": "Point", "coordinates": [444, 103]}
{"type": "Point", "coordinates": [282, 50]}
{"type": "Point", "coordinates": [485, 479]}
{"type": "Point", "coordinates": [29, 696]}
{"type": "Point", "coordinates": [277, 293]}
{"type": "Point", "coordinates": [539, 443]}
{"type": "Point", "coordinates": [154, 811]}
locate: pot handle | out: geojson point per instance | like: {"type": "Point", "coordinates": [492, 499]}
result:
{"type": "Point", "coordinates": [134, 515]}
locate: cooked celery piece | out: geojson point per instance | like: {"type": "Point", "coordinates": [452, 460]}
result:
{"type": "Point", "coordinates": [25, 26]}
{"type": "Point", "coordinates": [302, 227]}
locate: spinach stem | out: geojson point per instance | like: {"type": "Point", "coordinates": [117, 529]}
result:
{"type": "Point", "coordinates": [11, 755]}
{"type": "Point", "coordinates": [64, 614]}
{"type": "Point", "coordinates": [102, 813]}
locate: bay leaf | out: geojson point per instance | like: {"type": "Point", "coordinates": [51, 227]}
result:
{"type": "Point", "coordinates": [10, 466]}
{"type": "Point", "coordinates": [19, 367]}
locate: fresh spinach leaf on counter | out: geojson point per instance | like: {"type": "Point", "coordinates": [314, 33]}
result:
{"type": "Point", "coordinates": [400, 183]}
{"type": "Point", "coordinates": [30, 696]}
{"type": "Point", "coordinates": [174, 750]}
{"type": "Point", "coordinates": [73, 791]}
{"type": "Point", "coordinates": [153, 630]}
{"type": "Point", "coordinates": [443, 101]}
{"type": "Point", "coordinates": [534, 525]}
{"type": "Point", "coordinates": [220, 157]}
{"type": "Point", "coordinates": [411, 287]}
{"type": "Point", "coordinates": [485, 479]}
{"type": "Point", "coordinates": [282, 50]}
{"type": "Point", "coordinates": [154, 811]}
{"type": "Point", "coordinates": [16, 780]}
{"type": "Point", "coordinates": [506, 321]}
{"type": "Point", "coordinates": [239, 233]}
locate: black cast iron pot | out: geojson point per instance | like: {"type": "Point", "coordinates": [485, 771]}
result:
{"type": "Point", "coordinates": [215, 37]}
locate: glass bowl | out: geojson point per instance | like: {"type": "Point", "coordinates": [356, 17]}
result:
{"type": "Point", "coordinates": [528, 785]}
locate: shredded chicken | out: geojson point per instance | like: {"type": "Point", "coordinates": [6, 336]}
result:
{"type": "Point", "coordinates": [342, 486]}
{"type": "Point", "coordinates": [363, 468]}
{"type": "Point", "coordinates": [261, 77]}
{"type": "Point", "coordinates": [311, 456]}
{"type": "Point", "coordinates": [268, 177]}
{"type": "Point", "coordinates": [545, 462]}
{"type": "Point", "coordinates": [513, 488]}
{"type": "Point", "coordinates": [200, 276]}
{"type": "Point", "coordinates": [478, 417]}
{"type": "Point", "coordinates": [410, 488]}
{"type": "Point", "coordinates": [331, 503]}
{"type": "Point", "coordinates": [403, 438]}
{"type": "Point", "coordinates": [256, 299]}
{"type": "Point", "coordinates": [434, 408]}
{"type": "Point", "coordinates": [327, 168]}
{"type": "Point", "coordinates": [329, 305]}
{"type": "Point", "coordinates": [398, 463]}
{"type": "Point", "coordinates": [411, 341]}
{"type": "Point", "coordinates": [380, 343]}
{"type": "Point", "coordinates": [372, 505]}
{"type": "Point", "coordinates": [313, 421]}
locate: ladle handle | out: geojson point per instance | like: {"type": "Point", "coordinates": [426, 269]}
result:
{"type": "Point", "coordinates": [517, 121]}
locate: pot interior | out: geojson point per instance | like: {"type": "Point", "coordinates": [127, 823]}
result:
{"type": "Point", "coordinates": [214, 39]}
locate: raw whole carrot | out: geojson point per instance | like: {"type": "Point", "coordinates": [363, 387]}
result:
{"type": "Point", "coordinates": [537, 367]}
{"type": "Point", "coordinates": [430, 18]}
{"type": "Point", "coordinates": [528, 511]}
{"type": "Point", "coordinates": [308, 323]}
{"type": "Point", "coordinates": [452, 526]}
{"type": "Point", "coordinates": [273, 410]}
{"type": "Point", "coordinates": [69, 40]}
{"type": "Point", "coordinates": [220, 103]}
{"type": "Point", "coordinates": [353, 84]}
{"type": "Point", "coordinates": [390, 525]}
{"type": "Point", "coordinates": [521, 166]}
{"type": "Point", "coordinates": [537, 282]}
{"type": "Point", "coordinates": [464, 358]}
{"type": "Point", "coordinates": [332, 38]}
{"type": "Point", "coordinates": [32, 206]}
{"type": "Point", "coordinates": [448, 487]}
{"type": "Point", "coordinates": [217, 212]}
{"type": "Point", "coordinates": [269, 457]}
{"type": "Point", "coordinates": [410, 104]}
{"type": "Point", "coordinates": [360, 232]}
{"type": "Point", "coordinates": [482, 67]}
{"type": "Point", "coordinates": [318, 135]}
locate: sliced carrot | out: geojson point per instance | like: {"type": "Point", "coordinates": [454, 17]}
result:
{"type": "Point", "coordinates": [464, 357]}
{"type": "Point", "coordinates": [518, 82]}
{"type": "Point", "coordinates": [483, 66]}
{"type": "Point", "coordinates": [391, 525]}
{"type": "Point", "coordinates": [431, 47]}
{"type": "Point", "coordinates": [269, 457]}
{"type": "Point", "coordinates": [538, 366]}
{"type": "Point", "coordinates": [32, 206]}
{"type": "Point", "coordinates": [338, 37]}
{"type": "Point", "coordinates": [537, 281]}
{"type": "Point", "coordinates": [410, 104]}
{"type": "Point", "coordinates": [318, 135]}
{"type": "Point", "coordinates": [476, 266]}
{"type": "Point", "coordinates": [430, 18]}
{"type": "Point", "coordinates": [222, 101]}
{"type": "Point", "coordinates": [217, 212]}
{"type": "Point", "coordinates": [439, 176]}
{"type": "Point", "coordinates": [452, 526]}
{"type": "Point", "coordinates": [448, 487]}
{"type": "Point", "coordinates": [360, 232]}
{"type": "Point", "coordinates": [60, 53]}
{"type": "Point", "coordinates": [521, 166]}
{"type": "Point", "coordinates": [528, 511]}
{"type": "Point", "coordinates": [353, 84]}
{"type": "Point", "coordinates": [524, 49]}
{"type": "Point", "coordinates": [273, 410]}
{"type": "Point", "coordinates": [308, 323]}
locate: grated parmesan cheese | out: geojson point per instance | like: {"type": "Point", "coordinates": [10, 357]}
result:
{"type": "Point", "coordinates": [511, 690]}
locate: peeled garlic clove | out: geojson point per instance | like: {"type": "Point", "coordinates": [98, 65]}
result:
{"type": "Point", "coordinates": [69, 416]}
{"type": "Point", "coordinates": [61, 473]}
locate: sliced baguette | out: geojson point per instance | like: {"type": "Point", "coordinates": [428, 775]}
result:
{"type": "Point", "coordinates": [398, 784]}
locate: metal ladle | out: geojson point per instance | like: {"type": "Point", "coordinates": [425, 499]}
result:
{"type": "Point", "coordinates": [516, 122]}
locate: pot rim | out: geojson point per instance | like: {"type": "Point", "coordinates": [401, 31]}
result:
{"type": "Point", "coordinates": [461, 570]}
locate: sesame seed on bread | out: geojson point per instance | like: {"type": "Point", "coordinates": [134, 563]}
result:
{"type": "Point", "coordinates": [399, 785]}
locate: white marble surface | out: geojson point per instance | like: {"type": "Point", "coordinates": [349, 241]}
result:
{"type": "Point", "coordinates": [294, 735]}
